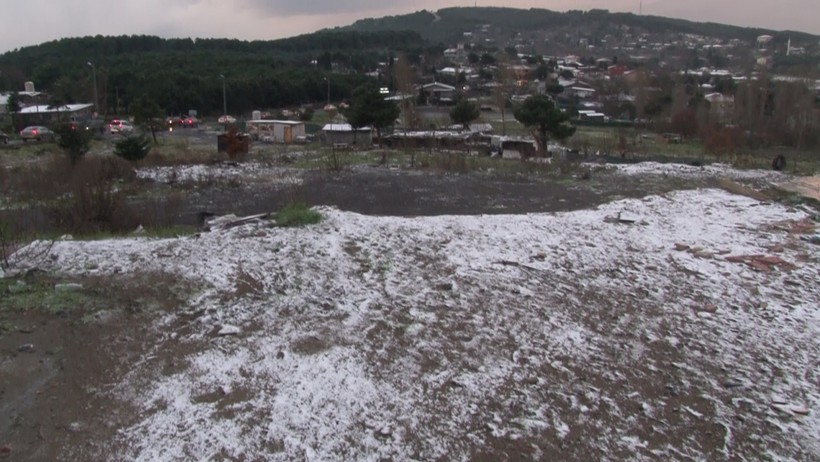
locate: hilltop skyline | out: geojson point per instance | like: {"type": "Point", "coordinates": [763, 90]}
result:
{"type": "Point", "coordinates": [37, 21]}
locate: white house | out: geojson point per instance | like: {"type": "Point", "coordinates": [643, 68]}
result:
{"type": "Point", "coordinates": [437, 92]}
{"type": "Point", "coordinates": [336, 134]}
{"type": "Point", "coordinates": [44, 114]}
{"type": "Point", "coordinates": [276, 131]}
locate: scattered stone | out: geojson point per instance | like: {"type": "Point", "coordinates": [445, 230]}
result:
{"type": "Point", "coordinates": [76, 427]}
{"type": "Point", "coordinates": [782, 408]}
{"type": "Point", "coordinates": [681, 247]}
{"type": "Point", "coordinates": [704, 254]}
{"type": "Point", "coordinates": [801, 410]}
{"type": "Point", "coordinates": [384, 432]}
{"type": "Point", "coordinates": [139, 231]}
{"type": "Point", "coordinates": [709, 308]}
{"type": "Point", "coordinates": [26, 348]}
{"type": "Point", "coordinates": [541, 256]}
{"type": "Point", "coordinates": [228, 329]}
{"type": "Point", "coordinates": [68, 287]}
{"type": "Point", "coordinates": [27, 330]}
{"type": "Point", "coordinates": [731, 383]}
{"type": "Point", "coordinates": [777, 248]}
{"type": "Point", "coordinates": [444, 286]}
{"type": "Point", "coordinates": [280, 355]}
{"type": "Point", "coordinates": [66, 237]}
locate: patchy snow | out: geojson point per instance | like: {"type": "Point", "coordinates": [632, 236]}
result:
{"type": "Point", "coordinates": [541, 336]}
{"type": "Point", "coordinates": [245, 172]}
{"type": "Point", "coordinates": [693, 172]}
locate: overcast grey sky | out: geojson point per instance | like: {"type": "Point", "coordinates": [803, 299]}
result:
{"type": "Point", "coordinates": [31, 22]}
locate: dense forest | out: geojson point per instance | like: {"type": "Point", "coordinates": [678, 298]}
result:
{"type": "Point", "coordinates": [183, 74]}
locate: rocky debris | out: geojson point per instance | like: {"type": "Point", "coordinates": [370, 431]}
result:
{"type": "Point", "coordinates": [68, 287]}
{"type": "Point", "coordinates": [681, 247]}
{"type": "Point", "coordinates": [815, 239]}
{"type": "Point", "coordinates": [804, 226]}
{"type": "Point", "coordinates": [280, 355]}
{"type": "Point", "coordinates": [76, 427]}
{"type": "Point", "coordinates": [762, 263]}
{"type": "Point", "coordinates": [26, 348]}
{"type": "Point", "coordinates": [231, 221]}
{"type": "Point", "coordinates": [444, 286]}
{"type": "Point", "coordinates": [704, 254]}
{"type": "Point", "coordinates": [228, 329]}
{"type": "Point", "coordinates": [623, 218]}
{"type": "Point", "coordinates": [139, 231]}
{"type": "Point", "coordinates": [384, 432]}
{"type": "Point", "coordinates": [801, 410]}
{"type": "Point", "coordinates": [732, 383]}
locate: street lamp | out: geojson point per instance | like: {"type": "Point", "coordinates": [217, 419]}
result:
{"type": "Point", "coordinates": [327, 79]}
{"type": "Point", "coordinates": [94, 76]}
{"type": "Point", "coordinates": [224, 96]}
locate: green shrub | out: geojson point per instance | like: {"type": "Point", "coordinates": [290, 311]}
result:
{"type": "Point", "coordinates": [297, 214]}
{"type": "Point", "coordinates": [75, 142]}
{"type": "Point", "coordinates": [133, 148]}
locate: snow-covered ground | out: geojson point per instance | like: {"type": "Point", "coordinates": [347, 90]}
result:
{"type": "Point", "coordinates": [570, 336]}
{"type": "Point", "coordinates": [244, 172]}
{"type": "Point", "coordinates": [697, 172]}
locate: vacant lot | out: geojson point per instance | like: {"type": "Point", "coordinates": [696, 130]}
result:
{"type": "Point", "coordinates": [680, 323]}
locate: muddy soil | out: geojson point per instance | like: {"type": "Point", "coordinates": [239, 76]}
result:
{"type": "Point", "coordinates": [60, 353]}
{"type": "Point", "coordinates": [380, 191]}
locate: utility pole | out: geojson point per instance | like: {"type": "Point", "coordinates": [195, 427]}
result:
{"type": "Point", "coordinates": [94, 76]}
{"type": "Point", "coordinates": [224, 96]}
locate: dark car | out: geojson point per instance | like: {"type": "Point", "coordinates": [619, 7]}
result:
{"type": "Point", "coordinates": [182, 122]}
{"type": "Point", "coordinates": [93, 125]}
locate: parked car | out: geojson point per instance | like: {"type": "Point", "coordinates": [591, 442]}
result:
{"type": "Point", "coordinates": [190, 122]}
{"type": "Point", "coordinates": [119, 127]}
{"type": "Point", "coordinates": [38, 133]}
{"type": "Point", "coordinates": [90, 125]}
{"type": "Point", "coordinates": [226, 119]}
{"type": "Point", "coordinates": [4, 138]}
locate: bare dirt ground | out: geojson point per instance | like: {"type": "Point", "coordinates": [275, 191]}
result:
{"type": "Point", "coordinates": [543, 337]}
{"type": "Point", "coordinates": [805, 186]}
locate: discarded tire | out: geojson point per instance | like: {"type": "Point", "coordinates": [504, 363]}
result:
{"type": "Point", "coordinates": [779, 163]}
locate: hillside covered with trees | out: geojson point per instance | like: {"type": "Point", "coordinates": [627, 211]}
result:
{"type": "Point", "coordinates": [183, 74]}
{"type": "Point", "coordinates": [448, 24]}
